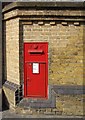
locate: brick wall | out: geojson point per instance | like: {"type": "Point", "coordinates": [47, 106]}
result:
{"type": "Point", "coordinates": [65, 49]}
{"type": "Point", "coordinates": [70, 104]}
{"type": "Point", "coordinates": [11, 52]}
{"type": "Point", "coordinates": [63, 30]}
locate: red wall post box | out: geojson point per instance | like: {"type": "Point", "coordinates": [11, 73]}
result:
{"type": "Point", "coordinates": [36, 69]}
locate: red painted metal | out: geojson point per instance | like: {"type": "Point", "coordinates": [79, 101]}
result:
{"type": "Point", "coordinates": [36, 69]}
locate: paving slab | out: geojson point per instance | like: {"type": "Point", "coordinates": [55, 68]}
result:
{"type": "Point", "coordinates": [0, 115]}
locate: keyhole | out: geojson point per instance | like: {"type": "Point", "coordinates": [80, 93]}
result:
{"type": "Point", "coordinates": [35, 46]}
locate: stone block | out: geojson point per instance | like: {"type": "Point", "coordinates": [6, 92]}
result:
{"type": "Point", "coordinates": [48, 109]}
{"type": "Point", "coordinates": [64, 23]}
{"type": "Point", "coordinates": [40, 23]}
{"type": "Point", "coordinates": [52, 23]}
{"type": "Point", "coordinates": [28, 112]}
{"type": "Point", "coordinates": [9, 90]}
{"type": "Point", "coordinates": [49, 113]}
{"type": "Point", "coordinates": [76, 23]}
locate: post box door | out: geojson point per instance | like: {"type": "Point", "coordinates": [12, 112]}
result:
{"type": "Point", "coordinates": [35, 71]}
{"type": "Point", "coordinates": [36, 79]}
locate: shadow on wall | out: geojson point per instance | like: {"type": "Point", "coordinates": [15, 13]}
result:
{"type": "Point", "coordinates": [5, 102]}
{"type": "Point", "coordinates": [21, 56]}
{"type": "Point", "coordinates": [4, 68]}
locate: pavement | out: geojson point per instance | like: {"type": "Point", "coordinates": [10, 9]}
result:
{"type": "Point", "coordinates": [0, 115]}
{"type": "Point", "coordinates": [13, 114]}
{"type": "Point", "coordinates": [7, 113]}
{"type": "Point", "coordinates": [0, 103]}
{"type": "Point", "coordinates": [0, 99]}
